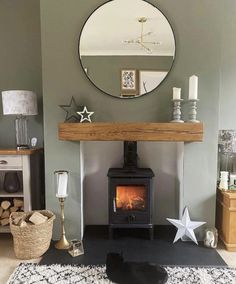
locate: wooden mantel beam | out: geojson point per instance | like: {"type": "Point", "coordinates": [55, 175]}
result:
{"type": "Point", "coordinates": [131, 131]}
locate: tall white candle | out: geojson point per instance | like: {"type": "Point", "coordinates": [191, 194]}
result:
{"type": "Point", "coordinates": [176, 93]}
{"type": "Point", "coordinates": [62, 181]}
{"type": "Point", "coordinates": [193, 87]}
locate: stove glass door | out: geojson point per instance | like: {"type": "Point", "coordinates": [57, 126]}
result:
{"type": "Point", "coordinates": [131, 197]}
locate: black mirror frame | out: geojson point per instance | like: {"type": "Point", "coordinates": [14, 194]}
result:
{"type": "Point", "coordinates": [105, 91]}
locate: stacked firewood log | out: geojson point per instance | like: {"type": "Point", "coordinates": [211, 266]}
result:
{"type": "Point", "coordinates": [7, 207]}
{"type": "Point", "coordinates": [30, 218]}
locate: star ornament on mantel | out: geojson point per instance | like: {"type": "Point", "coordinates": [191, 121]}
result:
{"type": "Point", "coordinates": [71, 110]}
{"type": "Point", "coordinates": [185, 227]}
{"type": "Point", "coordinates": [85, 115]}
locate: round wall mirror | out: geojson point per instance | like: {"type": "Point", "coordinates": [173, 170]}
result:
{"type": "Point", "coordinates": [127, 48]}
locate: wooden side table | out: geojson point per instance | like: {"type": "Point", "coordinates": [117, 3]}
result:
{"type": "Point", "coordinates": [27, 163]}
{"type": "Point", "coordinates": [226, 218]}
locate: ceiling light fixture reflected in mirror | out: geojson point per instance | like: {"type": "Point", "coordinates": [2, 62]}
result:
{"type": "Point", "coordinates": [142, 39]}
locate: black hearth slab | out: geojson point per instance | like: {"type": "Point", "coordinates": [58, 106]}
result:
{"type": "Point", "coordinates": [161, 250]}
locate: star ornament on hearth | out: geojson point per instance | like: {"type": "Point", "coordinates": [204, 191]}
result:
{"type": "Point", "coordinates": [185, 227]}
{"type": "Point", "coordinates": [85, 115]}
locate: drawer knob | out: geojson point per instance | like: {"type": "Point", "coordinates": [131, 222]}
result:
{"type": "Point", "coordinates": [3, 162]}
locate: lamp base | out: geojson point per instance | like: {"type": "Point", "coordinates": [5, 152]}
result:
{"type": "Point", "coordinates": [22, 141]}
{"type": "Point", "coordinates": [62, 243]}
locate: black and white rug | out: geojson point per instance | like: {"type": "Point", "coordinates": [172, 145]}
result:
{"type": "Point", "coordinates": [72, 274]}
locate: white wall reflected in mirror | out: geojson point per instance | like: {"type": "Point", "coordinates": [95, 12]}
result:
{"type": "Point", "coordinates": [149, 80]}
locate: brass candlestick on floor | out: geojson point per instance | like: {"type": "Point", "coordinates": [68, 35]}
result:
{"type": "Point", "coordinates": [62, 243]}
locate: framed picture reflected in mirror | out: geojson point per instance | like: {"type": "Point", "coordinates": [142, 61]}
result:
{"type": "Point", "coordinates": [129, 82]}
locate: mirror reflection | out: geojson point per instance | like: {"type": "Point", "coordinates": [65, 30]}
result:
{"type": "Point", "coordinates": [127, 48]}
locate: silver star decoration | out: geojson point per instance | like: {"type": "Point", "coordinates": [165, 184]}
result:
{"type": "Point", "coordinates": [71, 110]}
{"type": "Point", "coordinates": [85, 115]}
{"type": "Point", "coordinates": [185, 227]}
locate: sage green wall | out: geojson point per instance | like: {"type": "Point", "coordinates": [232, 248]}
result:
{"type": "Point", "coordinates": [227, 105]}
{"type": "Point", "coordinates": [197, 28]}
{"type": "Point", "coordinates": [109, 79]}
{"type": "Point", "coordinates": [20, 62]}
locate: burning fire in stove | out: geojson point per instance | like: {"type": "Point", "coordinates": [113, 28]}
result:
{"type": "Point", "coordinates": [131, 197]}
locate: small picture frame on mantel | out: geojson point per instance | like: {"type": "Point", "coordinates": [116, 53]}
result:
{"type": "Point", "coordinates": [129, 82]}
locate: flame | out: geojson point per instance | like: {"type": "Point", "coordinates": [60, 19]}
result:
{"type": "Point", "coordinates": [130, 197]}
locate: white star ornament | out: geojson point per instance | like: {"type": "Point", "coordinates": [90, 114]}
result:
{"type": "Point", "coordinates": [85, 115]}
{"type": "Point", "coordinates": [185, 227]}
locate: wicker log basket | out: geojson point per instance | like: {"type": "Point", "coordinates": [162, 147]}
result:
{"type": "Point", "coordinates": [31, 241]}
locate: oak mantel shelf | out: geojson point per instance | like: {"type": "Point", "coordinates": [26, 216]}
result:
{"type": "Point", "coordinates": [131, 131]}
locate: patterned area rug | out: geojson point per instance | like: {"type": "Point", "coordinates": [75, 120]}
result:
{"type": "Point", "coordinates": [72, 274]}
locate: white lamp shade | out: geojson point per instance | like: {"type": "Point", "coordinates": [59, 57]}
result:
{"type": "Point", "coordinates": [19, 102]}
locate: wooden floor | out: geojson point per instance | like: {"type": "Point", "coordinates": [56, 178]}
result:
{"type": "Point", "coordinates": [8, 262]}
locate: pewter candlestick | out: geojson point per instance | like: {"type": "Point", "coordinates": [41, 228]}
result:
{"type": "Point", "coordinates": [177, 111]}
{"type": "Point", "coordinates": [193, 111]}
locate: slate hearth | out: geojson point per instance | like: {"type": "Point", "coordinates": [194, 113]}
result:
{"type": "Point", "coordinates": [135, 246]}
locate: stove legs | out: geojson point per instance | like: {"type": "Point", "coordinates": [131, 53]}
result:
{"type": "Point", "coordinates": [151, 234]}
{"type": "Point", "coordinates": [110, 233]}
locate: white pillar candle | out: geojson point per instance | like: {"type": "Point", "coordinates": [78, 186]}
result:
{"type": "Point", "coordinates": [193, 87]}
{"type": "Point", "coordinates": [176, 93]}
{"type": "Point", "coordinates": [62, 181]}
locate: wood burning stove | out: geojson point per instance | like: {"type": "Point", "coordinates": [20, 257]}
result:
{"type": "Point", "coordinates": [130, 193]}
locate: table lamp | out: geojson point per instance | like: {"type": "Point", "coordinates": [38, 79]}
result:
{"type": "Point", "coordinates": [22, 104]}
